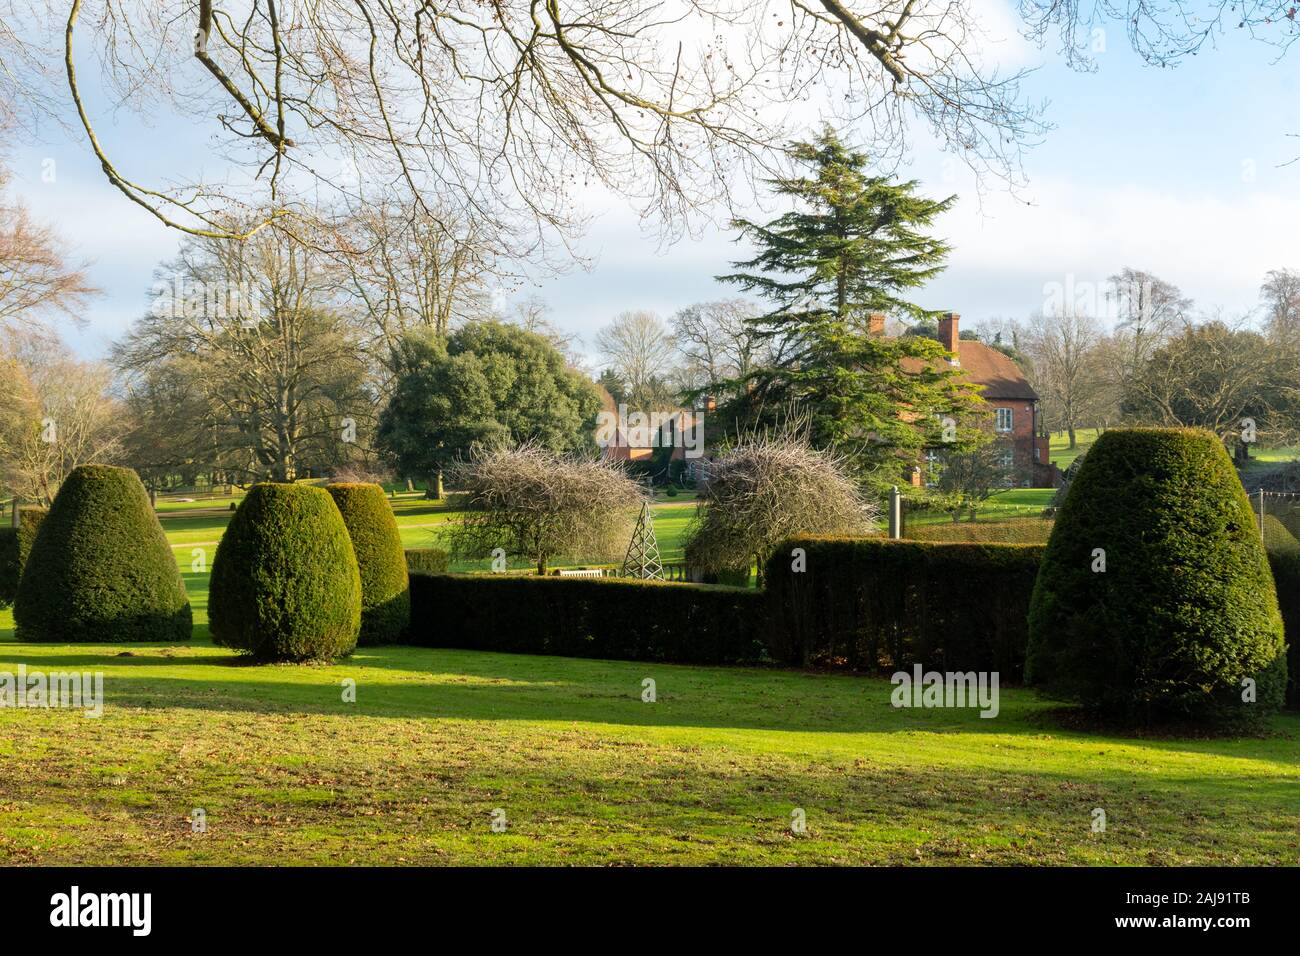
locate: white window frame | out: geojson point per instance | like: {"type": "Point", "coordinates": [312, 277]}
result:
{"type": "Point", "coordinates": [1010, 419]}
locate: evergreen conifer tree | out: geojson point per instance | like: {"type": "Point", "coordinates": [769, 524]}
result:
{"type": "Point", "coordinates": [854, 245]}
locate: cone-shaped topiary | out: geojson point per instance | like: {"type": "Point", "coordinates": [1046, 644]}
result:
{"type": "Point", "coordinates": [1284, 558]}
{"type": "Point", "coordinates": [385, 588]}
{"type": "Point", "coordinates": [285, 585]}
{"type": "Point", "coordinates": [15, 546]}
{"type": "Point", "coordinates": [100, 568]}
{"type": "Point", "coordinates": [1154, 598]}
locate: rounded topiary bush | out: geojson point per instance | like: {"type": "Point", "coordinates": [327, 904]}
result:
{"type": "Point", "coordinates": [385, 587]}
{"type": "Point", "coordinates": [285, 585]}
{"type": "Point", "coordinates": [1284, 558]}
{"type": "Point", "coordinates": [1184, 610]}
{"type": "Point", "coordinates": [15, 546]}
{"type": "Point", "coordinates": [100, 567]}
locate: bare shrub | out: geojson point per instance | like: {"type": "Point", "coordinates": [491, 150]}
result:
{"type": "Point", "coordinates": [361, 473]}
{"type": "Point", "coordinates": [767, 489]}
{"type": "Point", "coordinates": [534, 503]}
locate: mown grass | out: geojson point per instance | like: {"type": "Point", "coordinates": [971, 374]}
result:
{"type": "Point", "coordinates": [1062, 455]}
{"type": "Point", "coordinates": [422, 523]}
{"type": "Point", "coordinates": [587, 773]}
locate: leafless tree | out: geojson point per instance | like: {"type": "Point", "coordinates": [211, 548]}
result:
{"type": "Point", "coordinates": [282, 372]}
{"type": "Point", "coordinates": [638, 348]}
{"type": "Point", "coordinates": [969, 478]}
{"type": "Point", "coordinates": [717, 342]}
{"type": "Point", "coordinates": [535, 504]}
{"type": "Point", "coordinates": [533, 314]}
{"type": "Point", "coordinates": [408, 270]}
{"type": "Point", "coordinates": [510, 107]}
{"type": "Point", "coordinates": [1163, 33]}
{"type": "Point", "coordinates": [63, 416]}
{"type": "Point", "coordinates": [1148, 312]}
{"type": "Point", "coordinates": [37, 278]}
{"type": "Point", "coordinates": [1281, 297]}
{"type": "Point", "coordinates": [767, 488]}
{"type": "Point", "coordinates": [1216, 376]}
{"type": "Point", "coordinates": [1063, 348]}
{"type": "Point", "coordinates": [26, 77]}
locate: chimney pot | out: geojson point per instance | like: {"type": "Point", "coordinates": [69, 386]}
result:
{"type": "Point", "coordinates": [949, 335]}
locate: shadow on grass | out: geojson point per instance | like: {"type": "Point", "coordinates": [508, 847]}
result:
{"type": "Point", "coordinates": [412, 682]}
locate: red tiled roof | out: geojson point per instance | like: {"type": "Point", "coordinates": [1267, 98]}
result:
{"type": "Point", "coordinates": [996, 371]}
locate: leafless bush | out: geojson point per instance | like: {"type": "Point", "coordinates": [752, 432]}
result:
{"type": "Point", "coordinates": [362, 474]}
{"type": "Point", "coordinates": [769, 488]}
{"type": "Point", "coordinates": [531, 502]}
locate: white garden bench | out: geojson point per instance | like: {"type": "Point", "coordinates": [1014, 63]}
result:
{"type": "Point", "coordinates": [583, 573]}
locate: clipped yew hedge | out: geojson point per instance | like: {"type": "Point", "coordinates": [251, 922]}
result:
{"type": "Point", "coordinates": [15, 546]}
{"type": "Point", "coordinates": [427, 560]}
{"type": "Point", "coordinates": [1014, 531]}
{"type": "Point", "coordinates": [612, 618]}
{"type": "Point", "coordinates": [1185, 610]}
{"type": "Point", "coordinates": [100, 567]}
{"type": "Point", "coordinates": [285, 584]}
{"type": "Point", "coordinates": [871, 603]}
{"type": "Point", "coordinates": [377, 544]}
{"type": "Point", "coordinates": [1284, 559]}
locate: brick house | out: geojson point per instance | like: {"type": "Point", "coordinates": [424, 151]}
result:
{"type": "Point", "coordinates": [625, 436]}
{"type": "Point", "coordinates": [1013, 401]}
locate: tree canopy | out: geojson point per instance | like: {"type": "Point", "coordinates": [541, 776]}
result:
{"type": "Point", "coordinates": [855, 244]}
{"type": "Point", "coordinates": [487, 384]}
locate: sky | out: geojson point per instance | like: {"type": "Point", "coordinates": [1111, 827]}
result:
{"type": "Point", "coordinates": [1182, 172]}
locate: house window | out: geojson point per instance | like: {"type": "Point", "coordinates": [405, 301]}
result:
{"type": "Point", "coordinates": [1005, 419]}
{"type": "Point", "coordinates": [1008, 458]}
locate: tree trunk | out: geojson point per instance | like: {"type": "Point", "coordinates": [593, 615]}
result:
{"type": "Point", "coordinates": [1073, 439]}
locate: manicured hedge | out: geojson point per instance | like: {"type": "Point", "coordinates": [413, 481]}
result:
{"type": "Point", "coordinates": [1185, 610]}
{"type": "Point", "coordinates": [1016, 531]}
{"type": "Point", "coordinates": [427, 560]}
{"type": "Point", "coordinates": [610, 618]}
{"type": "Point", "coordinates": [873, 603]}
{"type": "Point", "coordinates": [100, 568]}
{"type": "Point", "coordinates": [377, 544]}
{"type": "Point", "coordinates": [1284, 560]}
{"type": "Point", "coordinates": [15, 546]}
{"type": "Point", "coordinates": [285, 584]}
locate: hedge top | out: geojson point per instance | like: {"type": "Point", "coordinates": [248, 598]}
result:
{"type": "Point", "coordinates": [1185, 607]}
{"type": "Point", "coordinates": [100, 568]}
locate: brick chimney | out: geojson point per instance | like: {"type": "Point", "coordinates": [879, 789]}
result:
{"type": "Point", "coordinates": [876, 323]}
{"type": "Point", "coordinates": [948, 334]}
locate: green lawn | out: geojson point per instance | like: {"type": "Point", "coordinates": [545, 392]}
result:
{"type": "Point", "coordinates": [1012, 503]}
{"type": "Point", "coordinates": [586, 773]}
{"type": "Point", "coordinates": [422, 524]}
{"type": "Point", "coordinates": [1061, 452]}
